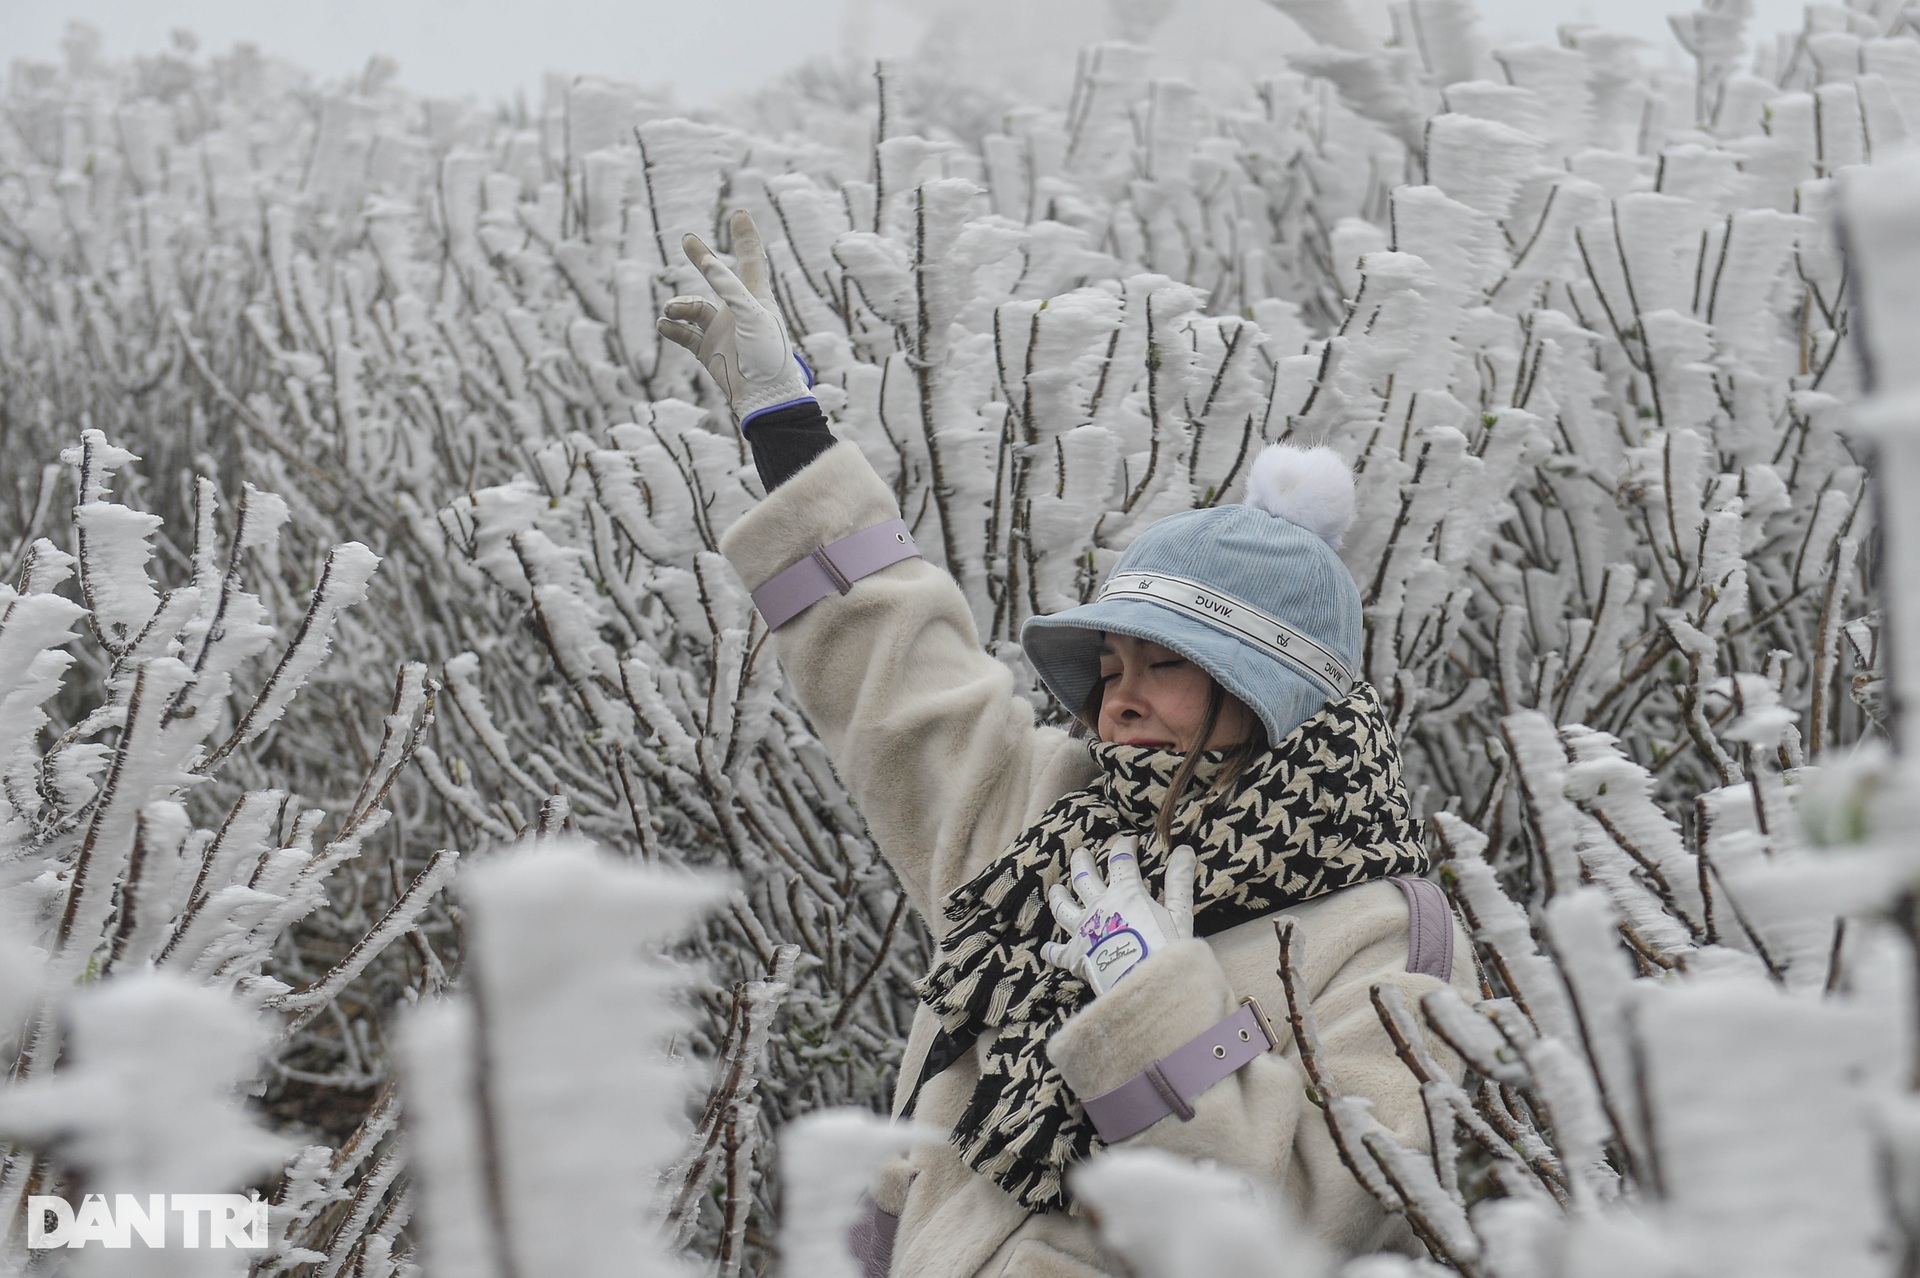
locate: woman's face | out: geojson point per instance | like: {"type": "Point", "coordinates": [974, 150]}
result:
{"type": "Point", "coordinates": [1152, 696]}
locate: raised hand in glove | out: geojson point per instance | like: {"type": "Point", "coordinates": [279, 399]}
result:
{"type": "Point", "coordinates": [1117, 923]}
{"type": "Point", "coordinates": [742, 341]}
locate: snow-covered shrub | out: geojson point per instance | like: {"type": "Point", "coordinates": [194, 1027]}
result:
{"type": "Point", "coordinates": [541, 1100]}
{"type": "Point", "coordinates": [1580, 325]}
{"type": "Point", "coordinates": [166, 914]}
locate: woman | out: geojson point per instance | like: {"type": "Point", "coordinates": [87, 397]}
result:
{"type": "Point", "coordinates": [1237, 773]}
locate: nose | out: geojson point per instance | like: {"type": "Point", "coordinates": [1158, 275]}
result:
{"type": "Point", "coordinates": [1122, 699]}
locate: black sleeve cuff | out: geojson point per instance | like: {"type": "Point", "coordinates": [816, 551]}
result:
{"type": "Point", "coordinates": [785, 439]}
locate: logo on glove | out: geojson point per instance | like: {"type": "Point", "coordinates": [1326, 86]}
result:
{"type": "Point", "coordinates": [1110, 940]}
{"type": "Point", "coordinates": [1126, 946]}
{"type": "Point", "coordinates": [1115, 923]}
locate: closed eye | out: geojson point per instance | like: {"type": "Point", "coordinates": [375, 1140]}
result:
{"type": "Point", "coordinates": [1176, 661]}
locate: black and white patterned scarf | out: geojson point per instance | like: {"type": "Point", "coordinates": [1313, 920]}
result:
{"type": "Point", "coordinates": [1323, 810]}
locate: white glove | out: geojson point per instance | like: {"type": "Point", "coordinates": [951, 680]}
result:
{"type": "Point", "coordinates": [1117, 923]}
{"type": "Point", "coordinates": [743, 341]}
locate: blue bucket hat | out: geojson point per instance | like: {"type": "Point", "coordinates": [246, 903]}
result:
{"type": "Point", "coordinates": [1253, 594]}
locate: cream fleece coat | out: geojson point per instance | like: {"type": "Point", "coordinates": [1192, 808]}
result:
{"type": "Point", "coordinates": [947, 766]}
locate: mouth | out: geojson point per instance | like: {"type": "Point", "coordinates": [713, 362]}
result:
{"type": "Point", "coordinates": [1143, 741]}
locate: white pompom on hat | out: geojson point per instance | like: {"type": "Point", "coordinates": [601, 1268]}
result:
{"type": "Point", "coordinates": [1312, 487]}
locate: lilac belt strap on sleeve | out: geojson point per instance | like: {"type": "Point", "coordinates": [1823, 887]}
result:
{"type": "Point", "coordinates": [1169, 1085]}
{"type": "Point", "coordinates": [1429, 927]}
{"type": "Point", "coordinates": [831, 569]}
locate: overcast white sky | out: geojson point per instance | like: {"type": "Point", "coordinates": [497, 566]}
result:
{"type": "Point", "coordinates": [706, 49]}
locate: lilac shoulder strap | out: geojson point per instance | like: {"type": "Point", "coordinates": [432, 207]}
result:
{"type": "Point", "coordinates": [871, 1238]}
{"type": "Point", "coordinates": [1429, 926]}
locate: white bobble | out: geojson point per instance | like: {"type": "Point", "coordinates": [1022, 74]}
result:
{"type": "Point", "coordinates": [1312, 487]}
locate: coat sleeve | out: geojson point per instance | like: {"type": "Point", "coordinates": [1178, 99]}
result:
{"type": "Point", "coordinates": [945, 763]}
{"type": "Point", "coordinates": [1262, 1119]}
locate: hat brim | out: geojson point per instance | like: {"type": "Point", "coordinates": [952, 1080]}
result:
{"type": "Point", "coordinates": [1064, 648]}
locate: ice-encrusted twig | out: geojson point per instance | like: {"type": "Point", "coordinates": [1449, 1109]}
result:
{"type": "Point", "coordinates": [736, 1076]}
{"type": "Point", "coordinates": [343, 583]}
{"type": "Point", "coordinates": [1436, 1220]}
{"type": "Point", "coordinates": [399, 918]}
